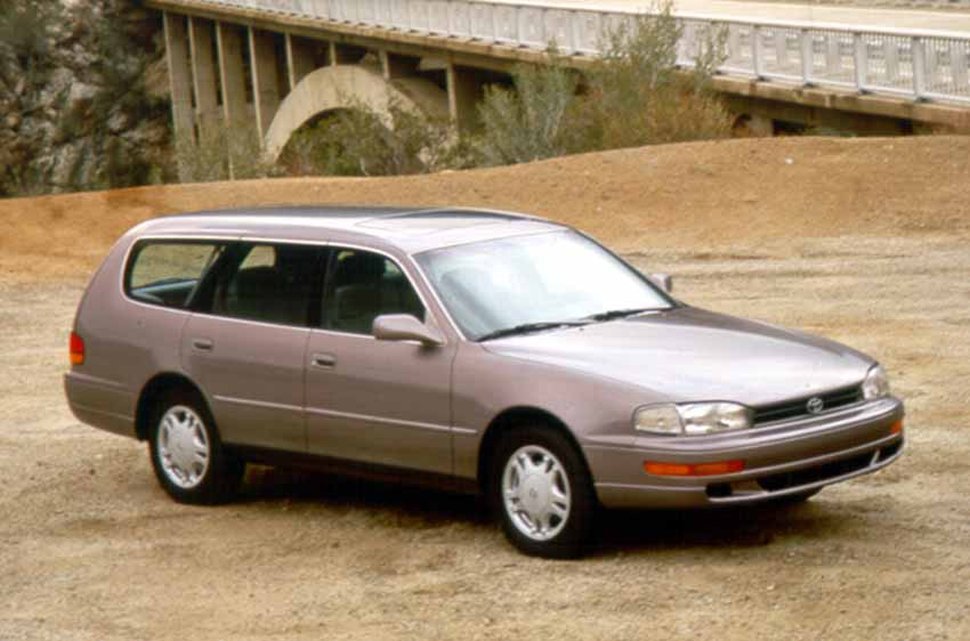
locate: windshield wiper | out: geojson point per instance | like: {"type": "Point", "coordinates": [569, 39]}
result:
{"type": "Point", "coordinates": [613, 314]}
{"type": "Point", "coordinates": [525, 328]}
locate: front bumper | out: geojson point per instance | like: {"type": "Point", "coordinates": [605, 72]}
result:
{"type": "Point", "coordinates": [780, 459]}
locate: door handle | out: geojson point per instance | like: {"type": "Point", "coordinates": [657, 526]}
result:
{"type": "Point", "coordinates": [325, 361]}
{"type": "Point", "coordinates": [202, 344]}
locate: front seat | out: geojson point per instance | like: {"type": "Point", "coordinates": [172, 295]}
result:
{"type": "Point", "coordinates": [357, 293]}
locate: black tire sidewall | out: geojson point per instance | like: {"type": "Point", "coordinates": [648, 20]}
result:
{"type": "Point", "coordinates": [574, 539]}
{"type": "Point", "coordinates": [224, 472]}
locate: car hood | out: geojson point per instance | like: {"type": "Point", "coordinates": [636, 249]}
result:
{"type": "Point", "coordinates": [687, 354]}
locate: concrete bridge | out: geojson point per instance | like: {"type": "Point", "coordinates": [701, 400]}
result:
{"type": "Point", "coordinates": [272, 65]}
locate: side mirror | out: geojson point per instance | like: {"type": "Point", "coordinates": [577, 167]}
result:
{"type": "Point", "coordinates": [663, 281]}
{"type": "Point", "coordinates": [404, 327]}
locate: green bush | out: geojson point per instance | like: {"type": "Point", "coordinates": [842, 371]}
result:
{"type": "Point", "coordinates": [527, 122]}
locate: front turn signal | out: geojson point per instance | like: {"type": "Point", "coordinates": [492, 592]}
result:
{"type": "Point", "coordinates": [661, 468]}
{"type": "Point", "coordinates": [896, 427]}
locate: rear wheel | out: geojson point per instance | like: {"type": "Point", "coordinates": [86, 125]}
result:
{"type": "Point", "coordinates": [542, 492]}
{"type": "Point", "coordinates": [189, 460]}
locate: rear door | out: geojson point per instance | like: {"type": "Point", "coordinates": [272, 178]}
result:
{"type": "Point", "coordinates": [375, 401]}
{"type": "Point", "coordinates": [247, 343]}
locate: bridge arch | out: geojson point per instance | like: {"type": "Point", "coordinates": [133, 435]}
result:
{"type": "Point", "coordinates": [348, 87]}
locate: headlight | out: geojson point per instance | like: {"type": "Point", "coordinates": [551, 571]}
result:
{"type": "Point", "coordinates": [692, 418]}
{"type": "Point", "coordinates": [876, 384]}
{"type": "Point", "coordinates": [659, 419]}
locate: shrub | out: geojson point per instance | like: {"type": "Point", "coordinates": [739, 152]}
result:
{"type": "Point", "coordinates": [528, 122]}
{"type": "Point", "coordinates": [634, 96]}
{"type": "Point", "coordinates": [362, 142]}
{"type": "Point", "coordinates": [222, 153]}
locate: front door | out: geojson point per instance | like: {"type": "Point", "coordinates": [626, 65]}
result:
{"type": "Point", "coordinates": [246, 346]}
{"type": "Point", "coordinates": [375, 401]}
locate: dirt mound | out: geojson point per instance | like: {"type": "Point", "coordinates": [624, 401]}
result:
{"type": "Point", "coordinates": [698, 195]}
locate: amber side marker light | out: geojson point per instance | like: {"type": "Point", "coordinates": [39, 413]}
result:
{"type": "Point", "coordinates": [897, 427]}
{"type": "Point", "coordinates": [77, 349]}
{"type": "Point", "coordinates": [659, 468]}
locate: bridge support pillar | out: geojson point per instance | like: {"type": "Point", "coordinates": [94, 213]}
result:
{"type": "Point", "coordinates": [232, 74]}
{"type": "Point", "coordinates": [266, 95]}
{"type": "Point", "coordinates": [236, 113]}
{"type": "Point", "coordinates": [464, 94]}
{"type": "Point", "coordinates": [300, 59]}
{"type": "Point", "coordinates": [180, 81]}
{"type": "Point", "coordinates": [204, 76]}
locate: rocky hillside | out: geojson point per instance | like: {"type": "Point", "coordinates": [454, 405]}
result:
{"type": "Point", "coordinates": [82, 96]}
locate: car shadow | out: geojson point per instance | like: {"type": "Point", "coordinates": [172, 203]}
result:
{"type": "Point", "coordinates": [734, 526]}
{"type": "Point", "coordinates": [308, 488]}
{"type": "Point", "coordinates": [626, 531]}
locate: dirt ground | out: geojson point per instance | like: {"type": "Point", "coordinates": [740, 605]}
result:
{"type": "Point", "coordinates": [865, 241]}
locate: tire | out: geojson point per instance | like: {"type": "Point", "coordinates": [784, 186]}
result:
{"type": "Point", "coordinates": [541, 490]}
{"type": "Point", "coordinates": [188, 457]}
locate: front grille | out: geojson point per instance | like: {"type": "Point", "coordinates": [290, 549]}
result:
{"type": "Point", "coordinates": [815, 474]}
{"type": "Point", "coordinates": [799, 407]}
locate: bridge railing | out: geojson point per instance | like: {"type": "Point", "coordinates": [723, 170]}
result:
{"type": "Point", "coordinates": [919, 65]}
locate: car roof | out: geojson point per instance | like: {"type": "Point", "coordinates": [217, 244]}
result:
{"type": "Point", "coordinates": [409, 229]}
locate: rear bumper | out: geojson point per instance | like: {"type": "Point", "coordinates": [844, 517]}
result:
{"type": "Point", "coordinates": [780, 460]}
{"type": "Point", "coordinates": [100, 403]}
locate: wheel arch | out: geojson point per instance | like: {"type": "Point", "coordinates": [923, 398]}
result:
{"type": "Point", "coordinates": [156, 388]}
{"type": "Point", "coordinates": [513, 418]}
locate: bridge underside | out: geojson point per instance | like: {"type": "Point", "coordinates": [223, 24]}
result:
{"type": "Point", "coordinates": [239, 69]}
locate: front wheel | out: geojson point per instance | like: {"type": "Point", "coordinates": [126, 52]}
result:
{"type": "Point", "coordinates": [542, 492]}
{"type": "Point", "coordinates": [189, 460]}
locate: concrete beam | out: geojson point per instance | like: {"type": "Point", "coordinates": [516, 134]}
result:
{"type": "Point", "coordinates": [266, 96]}
{"type": "Point", "coordinates": [300, 59]}
{"type": "Point", "coordinates": [179, 77]}
{"type": "Point", "coordinates": [204, 81]}
{"type": "Point", "coordinates": [944, 118]}
{"type": "Point", "coordinates": [232, 74]}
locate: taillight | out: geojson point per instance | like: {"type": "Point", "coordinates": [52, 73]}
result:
{"type": "Point", "coordinates": [77, 349]}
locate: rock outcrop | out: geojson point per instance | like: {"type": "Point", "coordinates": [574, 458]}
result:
{"type": "Point", "coordinates": [83, 100]}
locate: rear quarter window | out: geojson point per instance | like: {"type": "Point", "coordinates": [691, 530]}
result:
{"type": "Point", "coordinates": [167, 273]}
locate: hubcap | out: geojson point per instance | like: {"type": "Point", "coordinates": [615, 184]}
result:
{"type": "Point", "coordinates": [536, 492]}
{"type": "Point", "coordinates": [183, 446]}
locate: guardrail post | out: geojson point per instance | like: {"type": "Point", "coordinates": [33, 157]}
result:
{"type": "Point", "coordinates": [805, 40]}
{"type": "Point", "coordinates": [919, 67]}
{"type": "Point", "coordinates": [958, 66]}
{"type": "Point", "coordinates": [756, 51]}
{"type": "Point", "coordinates": [860, 61]}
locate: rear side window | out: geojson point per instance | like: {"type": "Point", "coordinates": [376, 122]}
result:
{"type": "Point", "coordinates": [168, 272]}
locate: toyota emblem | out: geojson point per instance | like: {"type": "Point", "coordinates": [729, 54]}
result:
{"type": "Point", "coordinates": [815, 405]}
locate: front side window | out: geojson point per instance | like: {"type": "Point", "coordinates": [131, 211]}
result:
{"type": "Point", "coordinates": [364, 285]}
{"type": "Point", "coordinates": [272, 283]}
{"type": "Point", "coordinates": [556, 277]}
{"type": "Point", "coordinates": [167, 272]}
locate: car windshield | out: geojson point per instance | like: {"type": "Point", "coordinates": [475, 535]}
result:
{"type": "Point", "coordinates": [535, 282]}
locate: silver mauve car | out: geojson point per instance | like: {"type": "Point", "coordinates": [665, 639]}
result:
{"type": "Point", "coordinates": [489, 351]}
